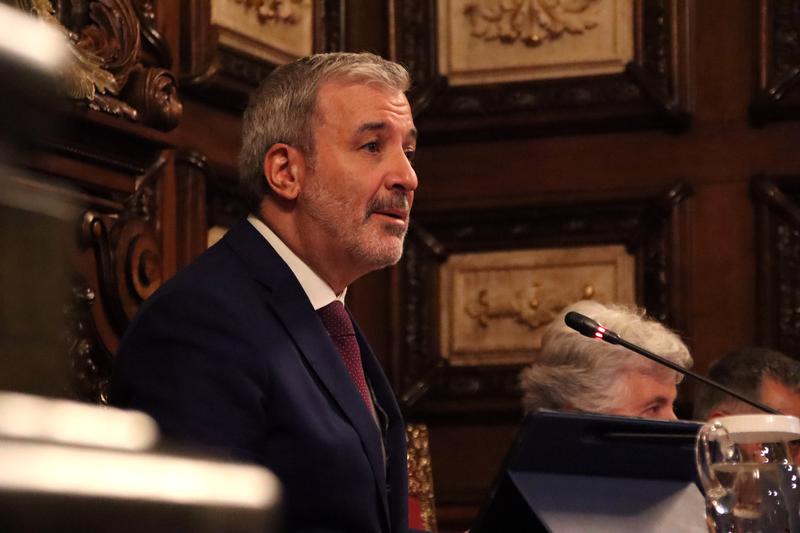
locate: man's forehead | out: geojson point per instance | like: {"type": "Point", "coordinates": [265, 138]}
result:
{"type": "Point", "coordinates": [779, 395]}
{"type": "Point", "coordinates": [340, 91]}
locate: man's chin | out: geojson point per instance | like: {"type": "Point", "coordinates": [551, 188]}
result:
{"type": "Point", "coordinates": [385, 253]}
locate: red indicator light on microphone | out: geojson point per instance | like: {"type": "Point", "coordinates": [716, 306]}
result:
{"type": "Point", "coordinates": [598, 334]}
{"type": "Point", "coordinates": [601, 329]}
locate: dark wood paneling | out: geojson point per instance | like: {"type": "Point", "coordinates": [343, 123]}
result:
{"type": "Point", "coordinates": [777, 201]}
{"type": "Point", "coordinates": [727, 272]}
{"type": "Point", "coordinates": [649, 227]}
{"type": "Point", "coordinates": [778, 97]}
{"type": "Point", "coordinates": [651, 92]}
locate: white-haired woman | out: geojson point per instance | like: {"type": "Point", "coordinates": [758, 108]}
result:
{"type": "Point", "coordinates": [577, 373]}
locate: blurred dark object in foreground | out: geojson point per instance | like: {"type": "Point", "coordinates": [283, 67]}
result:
{"type": "Point", "coordinates": [68, 467]}
{"type": "Point", "coordinates": [32, 53]}
{"type": "Point", "coordinates": [35, 227]}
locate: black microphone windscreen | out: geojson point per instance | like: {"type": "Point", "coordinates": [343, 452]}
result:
{"type": "Point", "coordinates": [581, 323]}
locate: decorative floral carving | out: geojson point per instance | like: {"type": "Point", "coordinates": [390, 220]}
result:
{"type": "Point", "coordinates": [531, 22]}
{"type": "Point", "coordinates": [526, 306]}
{"type": "Point", "coordinates": [85, 77]}
{"type": "Point", "coordinates": [105, 39]}
{"type": "Point", "coordinates": [280, 11]}
{"type": "Point", "coordinates": [648, 93]}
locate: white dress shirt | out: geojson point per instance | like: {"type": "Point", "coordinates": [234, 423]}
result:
{"type": "Point", "coordinates": [319, 293]}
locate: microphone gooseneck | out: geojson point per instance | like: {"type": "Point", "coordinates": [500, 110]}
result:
{"type": "Point", "coordinates": [591, 328]}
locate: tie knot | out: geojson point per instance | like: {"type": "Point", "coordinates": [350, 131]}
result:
{"type": "Point", "coordinates": [336, 320]}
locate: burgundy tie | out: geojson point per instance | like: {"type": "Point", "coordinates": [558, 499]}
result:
{"type": "Point", "coordinates": [340, 328]}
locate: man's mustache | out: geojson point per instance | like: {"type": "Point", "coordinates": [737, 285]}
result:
{"type": "Point", "coordinates": [397, 200]}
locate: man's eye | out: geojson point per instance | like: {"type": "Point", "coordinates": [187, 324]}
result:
{"type": "Point", "coordinates": [410, 154]}
{"type": "Point", "coordinates": [373, 147]}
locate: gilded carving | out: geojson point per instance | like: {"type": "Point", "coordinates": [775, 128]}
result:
{"type": "Point", "coordinates": [105, 43]}
{"type": "Point", "coordinates": [531, 22]}
{"type": "Point", "coordinates": [241, 27]}
{"type": "Point", "coordinates": [420, 472]}
{"type": "Point", "coordinates": [280, 11]}
{"type": "Point", "coordinates": [526, 306]}
{"type": "Point", "coordinates": [495, 305]}
{"type": "Point", "coordinates": [490, 41]}
{"type": "Point", "coordinates": [85, 76]}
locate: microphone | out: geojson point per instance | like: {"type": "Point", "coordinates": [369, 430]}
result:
{"type": "Point", "coordinates": [591, 328]}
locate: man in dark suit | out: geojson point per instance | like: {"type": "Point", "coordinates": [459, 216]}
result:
{"type": "Point", "coordinates": [249, 350]}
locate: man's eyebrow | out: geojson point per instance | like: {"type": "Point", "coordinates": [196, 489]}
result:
{"type": "Point", "coordinates": [371, 126]}
{"type": "Point", "coordinates": [380, 126]}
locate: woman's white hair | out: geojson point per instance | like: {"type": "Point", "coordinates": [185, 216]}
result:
{"type": "Point", "coordinates": [580, 373]}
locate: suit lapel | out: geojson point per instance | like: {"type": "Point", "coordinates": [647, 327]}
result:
{"type": "Point", "coordinates": [290, 304]}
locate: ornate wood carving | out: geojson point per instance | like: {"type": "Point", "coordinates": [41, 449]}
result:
{"type": "Point", "coordinates": [127, 251]}
{"type": "Point", "coordinates": [777, 209]}
{"type": "Point", "coordinates": [530, 22]}
{"type": "Point", "coordinates": [279, 11]}
{"type": "Point", "coordinates": [91, 360]}
{"type": "Point", "coordinates": [420, 473]}
{"type": "Point", "coordinates": [778, 97]}
{"type": "Point", "coordinates": [650, 227]}
{"type": "Point", "coordinates": [648, 93]}
{"type": "Point", "coordinates": [226, 76]}
{"type": "Point", "coordinates": [192, 173]}
{"type": "Point", "coordinates": [111, 73]}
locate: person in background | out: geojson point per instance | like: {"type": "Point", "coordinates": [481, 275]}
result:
{"type": "Point", "coordinates": [250, 350]}
{"type": "Point", "coordinates": [577, 373]}
{"type": "Point", "coordinates": [758, 373]}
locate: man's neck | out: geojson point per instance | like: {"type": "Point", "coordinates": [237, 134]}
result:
{"type": "Point", "coordinates": [305, 245]}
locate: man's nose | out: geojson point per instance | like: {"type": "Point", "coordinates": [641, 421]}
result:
{"type": "Point", "coordinates": [402, 174]}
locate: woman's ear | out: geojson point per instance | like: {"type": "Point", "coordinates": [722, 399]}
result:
{"type": "Point", "coordinates": [284, 168]}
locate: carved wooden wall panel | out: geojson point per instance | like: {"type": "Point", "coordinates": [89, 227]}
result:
{"type": "Point", "coordinates": [229, 46]}
{"type": "Point", "coordinates": [144, 194]}
{"type": "Point", "coordinates": [193, 177]}
{"type": "Point", "coordinates": [650, 91]}
{"type": "Point", "coordinates": [108, 158]}
{"type": "Point", "coordinates": [777, 206]}
{"type": "Point", "coordinates": [779, 62]}
{"type": "Point", "coordinates": [125, 246]}
{"type": "Point", "coordinates": [431, 383]}
{"type": "Point", "coordinates": [121, 60]}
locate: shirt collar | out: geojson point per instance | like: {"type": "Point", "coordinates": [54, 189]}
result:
{"type": "Point", "coordinates": [319, 293]}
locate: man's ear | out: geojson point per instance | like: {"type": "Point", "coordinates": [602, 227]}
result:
{"type": "Point", "coordinates": [284, 169]}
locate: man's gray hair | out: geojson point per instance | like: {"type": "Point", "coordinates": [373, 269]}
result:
{"type": "Point", "coordinates": [744, 371]}
{"type": "Point", "coordinates": [282, 109]}
{"type": "Point", "coordinates": [575, 372]}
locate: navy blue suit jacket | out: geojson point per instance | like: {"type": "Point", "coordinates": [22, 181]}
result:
{"type": "Point", "coordinates": [230, 354]}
